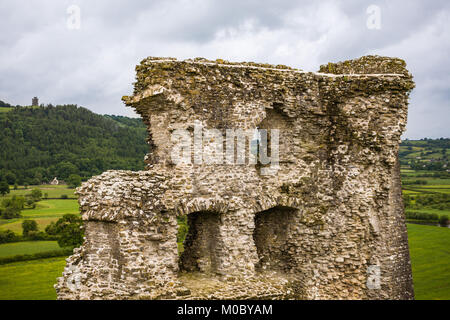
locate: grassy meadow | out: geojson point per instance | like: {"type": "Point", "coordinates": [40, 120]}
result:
{"type": "Point", "coordinates": [53, 191]}
{"type": "Point", "coordinates": [430, 186]}
{"type": "Point", "coordinates": [46, 211]}
{"type": "Point", "coordinates": [5, 109]}
{"type": "Point", "coordinates": [30, 280]}
{"type": "Point", "coordinates": [27, 247]}
{"type": "Point", "coordinates": [429, 248]}
{"type": "Point", "coordinates": [34, 279]}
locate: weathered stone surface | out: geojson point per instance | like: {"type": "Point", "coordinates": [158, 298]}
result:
{"type": "Point", "coordinates": [329, 224]}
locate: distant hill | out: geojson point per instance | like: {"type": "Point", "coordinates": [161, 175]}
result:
{"type": "Point", "coordinates": [39, 143]}
{"type": "Point", "coordinates": [5, 105]}
{"type": "Point", "coordinates": [425, 154]}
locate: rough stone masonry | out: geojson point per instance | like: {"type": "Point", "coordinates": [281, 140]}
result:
{"type": "Point", "coordinates": [328, 224]}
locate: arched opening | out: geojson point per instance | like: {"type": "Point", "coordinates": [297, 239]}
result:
{"type": "Point", "coordinates": [277, 119]}
{"type": "Point", "coordinates": [275, 140]}
{"type": "Point", "coordinates": [272, 237]}
{"type": "Point", "coordinates": [202, 245]}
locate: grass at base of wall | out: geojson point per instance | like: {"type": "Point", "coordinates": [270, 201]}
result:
{"type": "Point", "coordinates": [429, 248]}
{"type": "Point", "coordinates": [30, 280]}
{"type": "Point", "coordinates": [27, 247]}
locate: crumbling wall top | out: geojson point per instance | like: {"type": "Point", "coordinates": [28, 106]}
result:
{"type": "Point", "coordinates": [367, 65]}
{"type": "Point", "coordinates": [168, 81]}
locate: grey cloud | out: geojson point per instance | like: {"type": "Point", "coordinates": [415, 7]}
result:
{"type": "Point", "coordinates": [94, 66]}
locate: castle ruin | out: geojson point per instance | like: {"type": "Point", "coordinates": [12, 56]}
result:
{"type": "Point", "coordinates": [328, 223]}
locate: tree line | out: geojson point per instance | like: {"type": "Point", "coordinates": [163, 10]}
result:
{"type": "Point", "coordinates": [38, 144]}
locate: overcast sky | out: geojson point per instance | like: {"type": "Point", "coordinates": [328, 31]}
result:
{"type": "Point", "coordinates": [43, 52]}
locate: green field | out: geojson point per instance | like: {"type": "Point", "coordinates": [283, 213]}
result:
{"type": "Point", "coordinates": [46, 211]}
{"type": "Point", "coordinates": [429, 245]}
{"type": "Point", "coordinates": [51, 208]}
{"type": "Point", "coordinates": [430, 258]}
{"type": "Point", "coordinates": [16, 224]}
{"type": "Point", "coordinates": [34, 279]}
{"type": "Point", "coordinates": [424, 150]}
{"type": "Point", "coordinates": [427, 189]}
{"type": "Point", "coordinates": [5, 109]}
{"type": "Point", "coordinates": [30, 280]}
{"type": "Point", "coordinates": [53, 191]}
{"type": "Point", "coordinates": [433, 187]}
{"type": "Point", "coordinates": [410, 192]}
{"type": "Point", "coordinates": [27, 247]}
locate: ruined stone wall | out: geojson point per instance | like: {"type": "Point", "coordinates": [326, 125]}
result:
{"type": "Point", "coordinates": [328, 223]}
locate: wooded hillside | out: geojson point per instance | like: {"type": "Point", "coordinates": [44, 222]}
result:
{"type": "Point", "coordinates": [39, 143]}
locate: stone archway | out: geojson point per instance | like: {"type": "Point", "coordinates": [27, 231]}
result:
{"type": "Point", "coordinates": [271, 236]}
{"type": "Point", "coordinates": [203, 245]}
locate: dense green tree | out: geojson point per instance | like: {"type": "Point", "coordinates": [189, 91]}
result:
{"type": "Point", "coordinates": [9, 213]}
{"type": "Point", "coordinates": [11, 207]}
{"type": "Point", "coordinates": [7, 236]}
{"type": "Point", "coordinates": [28, 226]}
{"type": "Point", "coordinates": [4, 187]}
{"type": "Point", "coordinates": [65, 169]}
{"type": "Point", "coordinates": [68, 230]}
{"type": "Point", "coordinates": [16, 202]}
{"type": "Point", "coordinates": [74, 181]}
{"type": "Point", "coordinates": [36, 194]}
{"type": "Point", "coordinates": [39, 144]}
{"type": "Point", "coordinates": [51, 229]}
{"type": "Point", "coordinates": [30, 202]}
{"type": "Point", "coordinates": [10, 177]}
